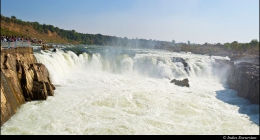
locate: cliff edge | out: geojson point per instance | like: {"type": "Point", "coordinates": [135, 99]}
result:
{"type": "Point", "coordinates": [244, 78]}
{"type": "Point", "coordinates": [22, 80]}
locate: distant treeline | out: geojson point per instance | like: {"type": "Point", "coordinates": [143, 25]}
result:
{"type": "Point", "coordinates": [223, 49]}
{"type": "Point", "coordinates": [89, 39]}
{"type": "Point", "coordinates": [99, 39]}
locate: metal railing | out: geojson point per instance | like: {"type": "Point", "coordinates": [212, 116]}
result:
{"type": "Point", "coordinates": [20, 50]}
{"type": "Point", "coordinates": [15, 44]}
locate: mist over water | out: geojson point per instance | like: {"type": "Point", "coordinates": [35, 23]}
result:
{"type": "Point", "coordinates": [112, 90]}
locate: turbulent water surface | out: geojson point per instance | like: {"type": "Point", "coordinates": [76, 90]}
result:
{"type": "Point", "coordinates": [111, 90]}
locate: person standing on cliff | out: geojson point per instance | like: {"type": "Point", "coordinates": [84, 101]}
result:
{"type": "Point", "coordinates": [14, 39]}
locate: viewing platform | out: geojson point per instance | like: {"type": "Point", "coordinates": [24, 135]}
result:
{"type": "Point", "coordinates": [16, 47]}
{"type": "Point", "coordinates": [20, 50]}
{"type": "Point", "coordinates": [23, 47]}
{"type": "Point", "coordinates": [15, 44]}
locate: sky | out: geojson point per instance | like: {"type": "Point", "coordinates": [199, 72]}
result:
{"type": "Point", "coordinates": [197, 21]}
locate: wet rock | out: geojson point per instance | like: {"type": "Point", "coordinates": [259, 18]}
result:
{"type": "Point", "coordinates": [185, 64]}
{"type": "Point", "coordinates": [244, 78]}
{"type": "Point", "coordinates": [183, 83]}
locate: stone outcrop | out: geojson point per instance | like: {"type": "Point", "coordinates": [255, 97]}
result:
{"type": "Point", "coordinates": [242, 75]}
{"type": "Point", "coordinates": [244, 78]}
{"type": "Point", "coordinates": [183, 83]}
{"type": "Point", "coordinates": [46, 47]}
{"type": "Point", "coordinates": [185, 64]}
{"type": "Point", "coordinates": [22, 79]}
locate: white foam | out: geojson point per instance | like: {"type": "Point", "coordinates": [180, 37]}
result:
{"type": "Point", "coordinates": [94, 99]}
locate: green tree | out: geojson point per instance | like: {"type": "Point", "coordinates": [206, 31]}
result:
{"type": "Point", "coordinates": [234, 45]}
{"type": "Point", "coordinates": [227, 46]}
{"type": "Point", "coordinates": [254, 42]}
{"type": "Point", "coordinates": [13, 17]}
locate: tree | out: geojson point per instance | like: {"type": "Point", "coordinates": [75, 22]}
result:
{"type": "Point", "coordinates": [13, 17]}
{"type": "Point", "coordinates": [227, 46]}
{"type": "Point", "coordinates": [238, 46]}
{"type": "Point", "coordinates": [51, 28]}
{"type": "Point", "coordinates": [218, 44]}
{"type": "Point", "coordinates": [234, 45]}
{"type": "Point", "coordinates": [253, 42]}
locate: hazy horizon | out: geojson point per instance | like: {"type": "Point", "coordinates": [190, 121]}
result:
{"type": "Point", "coordinates": [197, 21]}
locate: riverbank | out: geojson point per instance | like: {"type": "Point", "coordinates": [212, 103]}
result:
{"type": "Point", "coordinates": [243, 75]}
{"type": "Point", "coordinates": [244, 78]}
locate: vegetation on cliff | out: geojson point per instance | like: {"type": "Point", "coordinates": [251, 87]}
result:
{"type": "Point", "coordinates": [251, 48]}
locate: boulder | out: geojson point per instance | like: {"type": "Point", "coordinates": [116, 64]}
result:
{"type": "Point", "coordinates": [183, 83]}
{"type": "Point", "coordinates": [36, 83]}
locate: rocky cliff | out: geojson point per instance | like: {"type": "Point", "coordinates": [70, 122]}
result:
{"type": "Point", "coordinates": [242, 75]}
{"type": "Point", "coordinates": [244, 78]}
{"type": "Point", "coordinates": [22, 80]}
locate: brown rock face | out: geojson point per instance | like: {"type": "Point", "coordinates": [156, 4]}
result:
{"type": "Point", "coordinates": [36, 82]}
{"type": "Point", "coordinates": [22, 79]}
{"type": "Point", "coordinates": [244, 78]}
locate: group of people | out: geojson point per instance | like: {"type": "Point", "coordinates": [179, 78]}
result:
{"type": "Point", "coordinates": [23, 39]}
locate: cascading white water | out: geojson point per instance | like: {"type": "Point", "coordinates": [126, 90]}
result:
{"type": "Point", "coordinates": [111, 93]}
